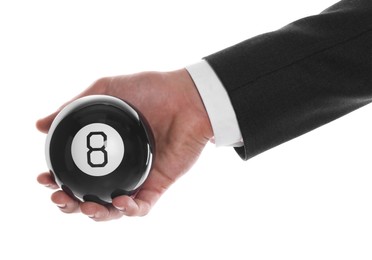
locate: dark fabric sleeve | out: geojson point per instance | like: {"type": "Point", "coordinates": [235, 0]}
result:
{"type": "Point", "coordinates": [285, 83]}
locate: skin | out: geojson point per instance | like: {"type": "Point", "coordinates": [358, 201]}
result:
{"type": "Point", "coordinates": [171, 104]}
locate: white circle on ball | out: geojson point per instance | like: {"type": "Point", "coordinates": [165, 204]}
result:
{"type": "Point", "coordinates": [97, 149]}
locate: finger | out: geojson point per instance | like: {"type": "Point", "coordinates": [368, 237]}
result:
{"type": "Point", "coordinates": [142, 202]}
{"type": "Point", "coordinates": [47, 180]}
{"type": "Point", "coordinates": [132, 206]}
{"type": "Point", "coordinates": [65, 202]}
{"type": "Point", "coordinates": [99, 212]}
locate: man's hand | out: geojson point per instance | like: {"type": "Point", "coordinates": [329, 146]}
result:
{"type": "Point", "coordinates": [172, 105]}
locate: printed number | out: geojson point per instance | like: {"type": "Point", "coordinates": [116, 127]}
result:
{"type": "Point", "coordinates": [101, 149]}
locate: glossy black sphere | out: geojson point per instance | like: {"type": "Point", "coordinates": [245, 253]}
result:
{"type": "Point", "coordinates": [99, 147]}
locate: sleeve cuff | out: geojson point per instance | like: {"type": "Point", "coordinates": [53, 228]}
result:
{"type": "Point", "coordinates": [217, 103]}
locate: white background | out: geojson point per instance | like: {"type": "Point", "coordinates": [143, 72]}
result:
{"type": "Point", "coordinates": [309, 198]}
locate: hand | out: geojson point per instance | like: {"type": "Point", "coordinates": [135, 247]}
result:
{"type": "Point", "coordinates": [172, 105]}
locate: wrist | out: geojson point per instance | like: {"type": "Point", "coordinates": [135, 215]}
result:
{"type": "Point", "coordinates": [193, 103]}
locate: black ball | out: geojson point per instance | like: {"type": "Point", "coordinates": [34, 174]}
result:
{"type": "Point", "coordinates": [99, 147]}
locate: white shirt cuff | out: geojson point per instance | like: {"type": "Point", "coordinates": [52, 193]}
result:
{"type": "Point", "coordinates": [217, 103]}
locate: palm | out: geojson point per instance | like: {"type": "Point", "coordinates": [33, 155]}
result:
{"type": "Point", "coordinates": [173, 108]}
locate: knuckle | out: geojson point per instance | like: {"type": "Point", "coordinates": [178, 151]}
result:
{"type": "Point", "coordinates": [101, 85]}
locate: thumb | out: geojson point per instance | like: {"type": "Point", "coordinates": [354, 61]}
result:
{"type": "Point", "coordinates": [44, 124]}
{"type": "Point", "coordinates": [97, 87]}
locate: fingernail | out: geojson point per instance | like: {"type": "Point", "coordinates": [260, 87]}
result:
{"type": "Point", "coordinates": [91, 216]}
{"type": "Point", "coordinates": [120, 208]}
{"type": "Point", "coordinates": [61, 206]}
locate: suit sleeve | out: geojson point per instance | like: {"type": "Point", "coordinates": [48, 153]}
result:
{"type": "Point", "coordinates": [288, 82]}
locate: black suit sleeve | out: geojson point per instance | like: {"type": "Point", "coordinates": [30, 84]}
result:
{"type": "Point", "coordinates": [288, 82]}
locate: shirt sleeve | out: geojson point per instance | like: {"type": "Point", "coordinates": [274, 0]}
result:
{"type": "Point", "coordinates": [217, 103]}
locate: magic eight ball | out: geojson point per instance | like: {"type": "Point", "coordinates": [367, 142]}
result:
{"type": "Point", "coordinates": [99, 147]}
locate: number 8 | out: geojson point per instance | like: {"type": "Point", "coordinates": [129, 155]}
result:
{"type": "Point", "coordinates": [101, 149]}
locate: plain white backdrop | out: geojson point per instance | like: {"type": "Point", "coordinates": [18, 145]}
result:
{"type": "Point", "coordinates": [309, 198]}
